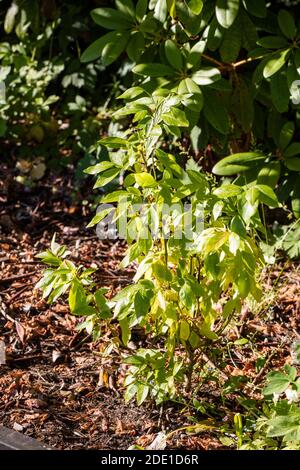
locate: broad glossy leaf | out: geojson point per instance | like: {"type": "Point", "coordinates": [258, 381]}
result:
{"type": "Point", "coordinates": [161, 10]}
{"type": "Point", "coordinates": [238, 163]}
{"type": "Point", "coordinates": [226, 12]}
{"type": "Point", "coordinates": [227, 190]}
{"type": "Point", "coordinates": [292, 150]}
{"type": "Point", "coordinates": [153, 70]}
{"type": "Point", "coordinates": [286, 134]}
{"type": "Point", "coordinates": [173, 54]}
{"type": "Point", "coordinates": [175, 117]}
{"type": "Point", "coordinates": [114, 48]}
{"type": "Point", "coordinates": [184, 330]}
{"type": "Point", "coordinates": [145, 180]}
{"type": "Point", "coordinates": [275, 63]}
{"type": "Point", "coordinates": [110, 18]}
{"type": "Point", "coordinates": [287, 24]}
{"type": "Point", "coordinates": [273, 42]}
{"type": "Point", "coordinates": [142, 393]}
{"type": "Point", "coordinates": [232, 43]}
{"type": "Point", "coordinates": [266, 195]}
{"type": "Point", "coordinates": [114, 142]}
{"type": "Point", "coordinates": [292, 163]}
{"type": "Point", "coordinates": [242, 105]}
{"type": "Point", "coordinates": [10, 17]}
{"type": "Point", "coordinates": [279, 92]}
{"type": "Point", "coordinates": [127, 7]}
{"type": "Point", "coordinates": [107, 177]}
{"type": "Point", "coordinates": [135, 46]}
{"type": "Point", "coordinates": [99, 167]}
{"type": "Point", "coordinates": [206, 76]}
{"type": "Point", "coordinates": [269, 174]}
{"type": "Point", "coordinates": [141, 9]}
{"type": "Point", "coordinates": [256, 7]}
{"type": "Point", "coordinates": [99, 216]}
{"type": "Point", "coordinates": [94, 51]}
{"type": "Point", "coordinates": [195, 6]}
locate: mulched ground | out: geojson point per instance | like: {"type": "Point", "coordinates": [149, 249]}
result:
{"type": "Point", "coordinates": [55, 386]}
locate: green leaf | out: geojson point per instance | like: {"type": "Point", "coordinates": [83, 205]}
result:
{"type": "Point", "coordinates": [266, 195]}
{"type": "Point", "coordinates": [130, 392]}
{"type": "Point", "coordinates": [107, 177]}
{"type": "Point", "coordinates": [292, 163]}
{"type": "Point", "coordinates": [237, 226]}
{"type": "Point", "coordinates": [287, 24]}
{"type": "Point", "coordinates": [279, 92]}
{"type": "Point", "coordinates": [292, 150]}
{"type": "Point", "coordinates": [195, 6]}
{"type": "Point", "coordinates": [94, 51]}
{"type": "Point", "coordinates": [226, 12]}
{"type": "Point", "coordinates": [131, 93]}
{"type": "Point", "coordinates": [212, 240]}
{"type": "Point", "coordinates": [153, 70]}
{"type": "Point", "coordinates": [10, 17]}
{"type": "Point", "coordinates": [141, 9]}
{"type": "Point", "coordinates": [135, 46]}
{"type": "Point", "coordinates": [126, 332]}
{"type": "Point", "coordinates": [161, 271]}
{"type": "Point", "coordinates": [145, 180]}
{"type": "Point", "coordinates": [269, 174]}
{"type": "Point", "coordinates": [296, 203]}
{"type": "Point", "coordinates": [173, 54]}
{"type": "Point", "coordinates": [184, 330]}
{"type": "Point", "coordinates": [215, 112]}
{"type": "Point", "coordinates": [127, 7]}
{"type": "Point", "coordinates": [249, 31]}
{"type": "Point", "coordinates": [237, 163]}
{"type": "Point", "coordinates": [99, 216]}
{"type": "Point", "coordinates": [256, 8]}
{"type": "Point", "coordinates": [232, 42]}
{"type": "Point", "coordinates": [175, 117]}
{"type": "Point", "coordinates": [142, 393]}
{"type": "Point", "coordinates": [291, 157]}
{"type": "Point", "coordinates": [286, 134]}
{"type": "Point", "coordinates": [195, 101]}
{"type": "Point", "coordinates": [111, 19]}
{"type": "Point", "coordinates": [287, 426]}
{"type": "Point", "coordinates": [242, 105]}
{"type": "Point", "coordinates": [113, 48]}
{"type": "Point", "coordinates": [78, 301]}
{"type": "Point", "coordinates": [278, 383]}
{"type": "Point", "coordinates": [206, 76]}
{"type": "Point", "coordinates": [161, 10]}
{"type": "Point", "coordinates": [275, 63]}
{"type": "Point", "coordinates": [273, 42]}
{"type": "Point", "coordinates": [114, 142]}
{"type": "Point", "coordinates": [115, 196]}
{"type": "Point", "coordinates": [227, 190]}
{"type": "Point", "coordinates": [99, 167]}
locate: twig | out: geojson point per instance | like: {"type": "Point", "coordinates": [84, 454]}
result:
{"type": "Point", "coordinates": [213, 366]}
{"type": "Point", "coordinates": [17, 277]}
{"type": "Point", "coordinates": [264, 368]}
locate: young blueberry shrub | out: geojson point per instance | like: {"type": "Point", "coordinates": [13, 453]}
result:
{"type": "Point", "coordinates": [192, 278]}
{"type": "Point", "coordinates": [193, 239]}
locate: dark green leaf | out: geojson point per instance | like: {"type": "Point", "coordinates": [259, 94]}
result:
{"type": "Point", "coordinates": [287, 24]}
{"type": "Point", "coordinates": [111, 19]}
{"type": "Point", "coordinates": [173, 54]}
{"type": "Point", "coordinates": [153, 70]}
